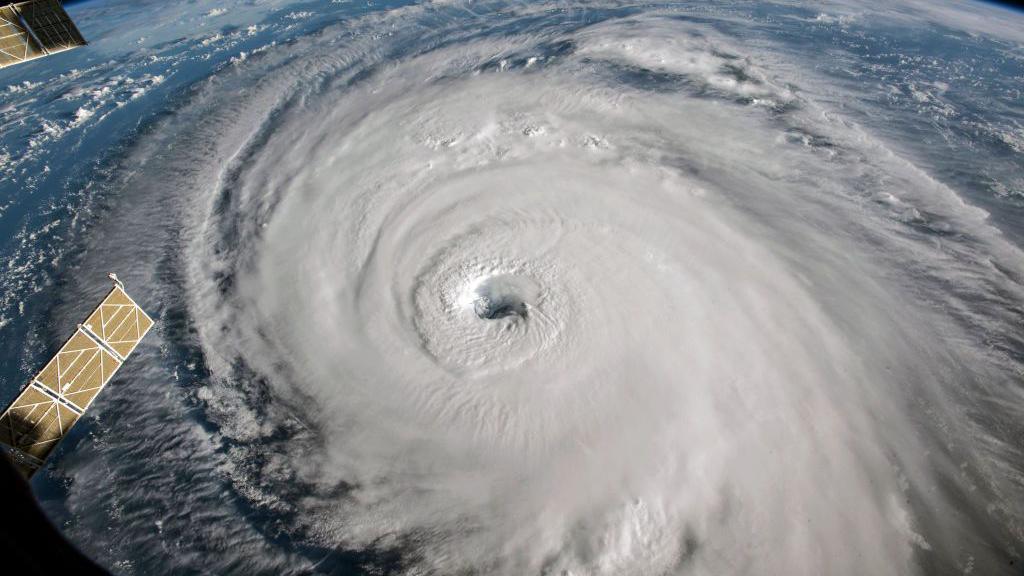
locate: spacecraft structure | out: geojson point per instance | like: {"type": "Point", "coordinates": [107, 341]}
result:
{"type": "Point", "coordinates": [46, 409]}
{"type": "Point", "coordinates": [33, 29]}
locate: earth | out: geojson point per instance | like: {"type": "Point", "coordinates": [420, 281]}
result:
{"type": "Point", "coordinates": [519, 288]}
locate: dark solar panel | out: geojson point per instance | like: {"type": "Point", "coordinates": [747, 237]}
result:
{"type": "Point", "coordinates": [33, 29]}
{"type": "Point", "coordinates": [51, 24]}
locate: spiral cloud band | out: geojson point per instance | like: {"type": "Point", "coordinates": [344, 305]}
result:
{"type": "Point", "coordinates": [601, 291]}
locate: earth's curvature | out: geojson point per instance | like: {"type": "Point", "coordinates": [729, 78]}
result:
{"type": "Point", "coordinates": [531, 288]}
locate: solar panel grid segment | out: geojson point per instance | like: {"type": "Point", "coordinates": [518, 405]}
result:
{"type": "Point", "coordinates": [119, 322]}
{"type": "Point", "coordinates": [15, 43]}
{"type": "Point", "coordinates": [79, 370]}
{"type": "Point", "coordinates": [51, 24]}
{"type": "Point", "coordinates": [36, 422]}
{"type": "Point", "coordinates": [33, 29]}
{"type": "Point", "coordinates": [44, 412]}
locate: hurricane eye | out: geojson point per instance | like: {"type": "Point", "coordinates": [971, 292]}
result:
{"type": "Point", "coordinates": [498, 298]}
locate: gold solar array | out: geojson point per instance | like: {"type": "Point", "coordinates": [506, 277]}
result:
{"type": "Point", "coordinates": [33, 29]}
{"type": "Point", "coordinates": [40, 417]}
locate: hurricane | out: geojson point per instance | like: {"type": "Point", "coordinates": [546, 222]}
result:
{"type": "Point", "coordinates": [528, 288]}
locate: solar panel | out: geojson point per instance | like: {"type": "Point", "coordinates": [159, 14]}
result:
{"type": "Point", "coordinates": [15, 43]}
{"type": "Point", "coordinates": [34, 29]}
{"type": "Point", "coordinates": [40, 417]}
{"type": "Point", "coordinates": [33, 425]}
{"type": "Point", "coordinates": [78, 371]}
{"type": "Point", "coordinates": [119, 322]}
